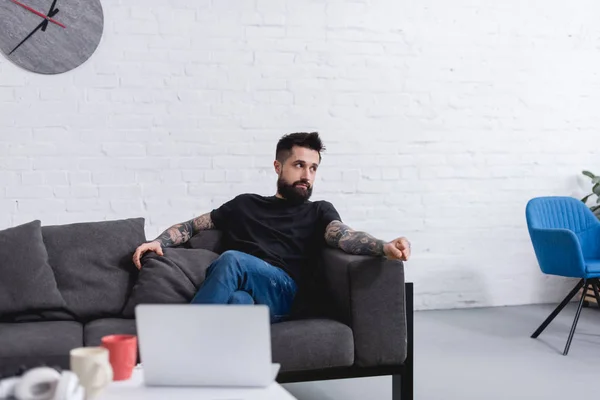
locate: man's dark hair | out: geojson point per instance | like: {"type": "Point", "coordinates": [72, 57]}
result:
{"type": "Point", "coordinates": [310, 140]}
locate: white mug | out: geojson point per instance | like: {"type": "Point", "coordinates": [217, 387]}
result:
{"type": "Point", "coordinates": [92, 367]}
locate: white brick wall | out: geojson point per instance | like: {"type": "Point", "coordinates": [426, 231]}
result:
{"type": "Point", "coordinates": [441, 121]}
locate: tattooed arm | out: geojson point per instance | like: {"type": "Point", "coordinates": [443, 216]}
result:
{"type": "Point", "coordinates": [347, 239]}
{"type": "Point", "coordinates": [181, 233]}
{"type": "Point", "coordinates": [342, 236]}
{"type": "Point", "coordinates": [175, 235]}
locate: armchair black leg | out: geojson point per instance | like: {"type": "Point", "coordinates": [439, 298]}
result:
{"type": "Point", "coordinates": [559, 308]}
{"type": "Point", "coordinates": [575, 321]}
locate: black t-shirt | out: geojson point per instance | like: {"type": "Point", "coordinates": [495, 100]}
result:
{"type": "Point", "coordinates": [281, 233]}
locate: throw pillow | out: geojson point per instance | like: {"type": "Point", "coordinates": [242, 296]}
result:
{"type": "Point", "coordinates": [172, 278]}
{"type": "Point", "coordinates": [27, 283]}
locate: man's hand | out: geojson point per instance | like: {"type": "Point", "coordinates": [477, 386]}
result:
{"type": "Point", "coordinates": [397, 249]}
{"type": "Point", "coordinates": [139, 252]}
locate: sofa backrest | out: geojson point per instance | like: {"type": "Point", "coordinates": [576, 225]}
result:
{"type": "Point", "coordinates": [210, 240]}
{"type": "Point", "coordinates": [92, 263]}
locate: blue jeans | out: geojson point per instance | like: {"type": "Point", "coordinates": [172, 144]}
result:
{"type": "Point", "coordinates": [239, 278]}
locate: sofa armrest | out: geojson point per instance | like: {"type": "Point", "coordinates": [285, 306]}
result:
{"type": "Point", "coordinates": [368, 294]}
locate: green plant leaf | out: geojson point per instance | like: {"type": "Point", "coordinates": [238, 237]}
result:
{"type": "Point", "coordinates": [585, 199]}
{"type": "Point", "coordinates": [588, 174]}
{"type": "Point", "coordinates": [596, 189]}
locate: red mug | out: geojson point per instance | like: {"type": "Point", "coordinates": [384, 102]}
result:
{"type": "Point", "coordinates": [122, 354]}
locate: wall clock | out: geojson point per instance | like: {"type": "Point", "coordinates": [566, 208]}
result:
{"type": "Point", "coordinates": [50, 36]}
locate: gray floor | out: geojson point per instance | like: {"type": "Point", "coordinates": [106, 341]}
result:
{"type": "Point", "coordinates": [487, 354]}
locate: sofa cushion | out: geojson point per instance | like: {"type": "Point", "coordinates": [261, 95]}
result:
{"type": "Point", "coordinates": [32, 344]}
{"type": "Point", "coordinates": [172, 278]}
{"type": "Point", "coordinates": [298, 345]}
{"type": "Point", "coordinates": [26, 280]}
{"type": "Point", "coordinates": [309, 344]}
{"type": "Point", "coordinates": [92, 262]}
{"type": "Point", "coordinates": [94, 331]}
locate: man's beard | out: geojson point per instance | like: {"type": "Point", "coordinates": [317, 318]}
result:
{"type": "Point", "coordinates": [292, 192]}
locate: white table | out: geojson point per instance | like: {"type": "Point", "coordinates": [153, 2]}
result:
{"type": "Point", "coordinates": [134, 389]}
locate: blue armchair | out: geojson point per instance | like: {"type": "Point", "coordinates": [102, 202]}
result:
{"type": "Point", "coordinates": [566, 239]}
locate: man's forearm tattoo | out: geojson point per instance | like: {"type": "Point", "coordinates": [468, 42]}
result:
{"type": "Point", "coordinates": [351, 241]}
{"type": "Point", "coordinates": [181, 233]}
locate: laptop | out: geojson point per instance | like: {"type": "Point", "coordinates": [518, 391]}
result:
{"type": "Point", "coordinates": [205, 345]}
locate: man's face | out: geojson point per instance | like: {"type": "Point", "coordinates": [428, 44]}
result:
{"type": "Point", "coordinates": [297, 175]}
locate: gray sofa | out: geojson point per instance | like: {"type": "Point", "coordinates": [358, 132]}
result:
{"type": "Point", "coordinates": [66, 286]}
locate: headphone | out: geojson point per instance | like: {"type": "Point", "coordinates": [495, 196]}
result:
{"type": "Point", "coordinates": [43, 383]}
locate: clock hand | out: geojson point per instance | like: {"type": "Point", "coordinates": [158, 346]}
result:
{"type": "Point", "coordinates": [43, 25]}
{"type": "Point", "coordinates": [28, 36]}
{"type": "Point", "coordinates": [50, 14]}
{"type": "Point", "coordinates": [52, 7]}
{"type": "Point", "coordinates": [38, 13]}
